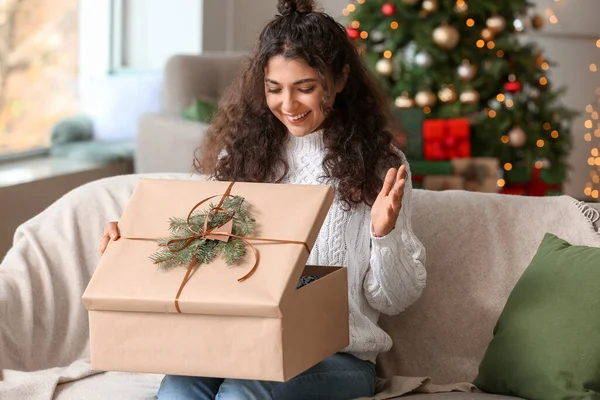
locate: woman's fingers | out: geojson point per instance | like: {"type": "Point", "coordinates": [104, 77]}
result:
{"type": "Point", "coordinates": [111, 232]}
{"type": "Point", "coordinates": [388, 182]}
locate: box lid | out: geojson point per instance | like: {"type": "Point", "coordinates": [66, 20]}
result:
{"type": "Point", "coordinates": [126, 279]}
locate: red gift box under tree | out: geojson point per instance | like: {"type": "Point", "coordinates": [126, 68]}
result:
{"type": "Point", "coordinates": [536, 187]}
{"type": "Point", "coordinates": [445, 139]}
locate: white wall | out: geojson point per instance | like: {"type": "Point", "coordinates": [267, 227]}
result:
{"type": "Point", "coordinates": [571, 44]}
{"type": "Point", "coordinates": [234, 24]}
{"type": "Point", "coordinates": [155, 29]}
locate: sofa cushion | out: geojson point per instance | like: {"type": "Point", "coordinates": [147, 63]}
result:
{"type": "Point", "coordinates": [200, 110]}
{"type": "Point", "coordinates": [478, 246]}
{"type": "Point", "coordinates": [545, 341]}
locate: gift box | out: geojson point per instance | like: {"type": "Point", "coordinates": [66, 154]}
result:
{"type": "Point", "coordinates": [425, 168]}
{"type": "Point", "coordinates": [246, 321]}
{"type": "Point", "coordinates": [421, 169]}
{"type": "Point", "coordinates": [445, 139]}
{"type": "Point", "coordinates": [541, 183]}
{"type": "Point", "coordinates": [480, 173]}
{"type": "Point", "coordinates": [442, 182]}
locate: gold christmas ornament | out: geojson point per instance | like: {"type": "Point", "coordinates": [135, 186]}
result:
{"type": "Point", "coordinates": [430, 6]}
{"type": "Point", "coordinates": [446, 37]}
{"type": "Point", "coordinates": [516, 137]}
{"type": "Point", "coordinates": [461, 7]}
{"type": "Point", "coordinates": [487, 34]}
{"type": "Point", "coordinates": [425, 98]}
{"type": "Point", "coordinates": [385, 67]}
{"type": "Point", "coordinates": [537, 21]}
{"type": "Point", "coordinates": [466, 71]}
{"type": "Point", "coordinates": [447, 94]}
{"type": "Point", "coordinates": [496, 23]}
{"type": "Point", "coordinates": [404, 101]}
{"type": "Point", "coordinates": [469, 97]}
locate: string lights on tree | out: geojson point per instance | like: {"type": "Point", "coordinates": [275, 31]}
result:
{"type": "Point", "coordinates": [463, 59]}
{"type": "Point", "coordinates": [592, 135]}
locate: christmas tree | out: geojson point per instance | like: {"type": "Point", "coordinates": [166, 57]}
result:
{"type": "Point", "coordinates": [453, 59]}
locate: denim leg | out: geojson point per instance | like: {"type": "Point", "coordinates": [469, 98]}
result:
{"type": "Point", "coordinates": [340, 377]}
{"type": "Point", "coordinates": [237, 389]}
{"type": "Point", "coordinates": [177, 387]}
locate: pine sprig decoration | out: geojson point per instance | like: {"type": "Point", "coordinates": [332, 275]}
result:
{"type": "Point", "coordinates": [205, 250]}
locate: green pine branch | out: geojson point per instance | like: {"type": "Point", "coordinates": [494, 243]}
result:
{"type": "Point", "coordinates": [205, 250]}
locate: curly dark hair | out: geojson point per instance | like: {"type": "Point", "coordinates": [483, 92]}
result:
{"type": "Point", "coordinates": [245, 141]}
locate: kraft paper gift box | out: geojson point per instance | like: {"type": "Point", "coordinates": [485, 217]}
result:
{"type": "Point", "coordinates": [480, 173]}
{"type": "Point", "coordinates": [263, 327]}
{"type": "Point", "coordinates": [443, 182]}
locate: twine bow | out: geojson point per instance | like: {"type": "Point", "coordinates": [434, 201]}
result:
{"type": "Point", "coordinates": [215, 234]}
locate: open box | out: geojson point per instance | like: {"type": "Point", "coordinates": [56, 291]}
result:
{"type": "Point", "coordinates": [262, 328]}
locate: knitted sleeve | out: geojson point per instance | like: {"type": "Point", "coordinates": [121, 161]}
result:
{"type": "Point", "coordinates": [396, 275]}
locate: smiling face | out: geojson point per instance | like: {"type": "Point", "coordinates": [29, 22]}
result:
{"type": "Point", "coordinates": [294, 94]}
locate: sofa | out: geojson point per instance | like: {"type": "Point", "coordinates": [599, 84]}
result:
{"type": "Point", "coordinates": [478, 246]}
{"type": "Point", "coordinates": [164, 138]}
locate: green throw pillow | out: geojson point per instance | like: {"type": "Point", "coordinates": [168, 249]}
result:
{"type": "Point", "coordinates": [200, 110]}
{"type": "Point", "coordinates": [546, 342]}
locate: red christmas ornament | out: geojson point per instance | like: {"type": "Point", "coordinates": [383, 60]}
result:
{"type": "Point", "coordinates": [388, 9]}
{"type": "Point", "coordinates": [513, 87]}
{"type": "Point", "coordinates": [352, 33]}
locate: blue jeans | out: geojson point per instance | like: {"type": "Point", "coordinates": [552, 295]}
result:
{"type": "Point", "coordinates": [340, 377]}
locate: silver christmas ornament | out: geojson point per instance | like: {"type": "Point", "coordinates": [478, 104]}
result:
{"type": "Point", "coordinates": [379, 48]}
{"type": "Point", "coordinates": [409, 52]}
{"type": "Point", "coordinates": [377, 36]}
{"type": "Point", "coordinates": [466, 71]}
{"type": "Point", "coordinates": [544, 162]}
{"type": "Point", "coordinates": [423, 59]}
{"type": "Point", "coordinates": [519, 25]}
{"type": "Point", "coordinates": [494, 104]}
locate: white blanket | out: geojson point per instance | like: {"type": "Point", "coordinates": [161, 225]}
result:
{"type": "Point", "coordinates": [43, 323]}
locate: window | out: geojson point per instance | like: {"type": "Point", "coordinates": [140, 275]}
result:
{"type": "Point", "coordinates": [38, 70]}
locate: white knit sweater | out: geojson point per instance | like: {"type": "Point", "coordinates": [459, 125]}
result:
{"type": "Point", "coordinates": [385, 274]}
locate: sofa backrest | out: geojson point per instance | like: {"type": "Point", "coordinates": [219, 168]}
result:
{"type": "Point", "coordinates": [205, 76]}
{"type": "Point", "coordinates": [477, 246]}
